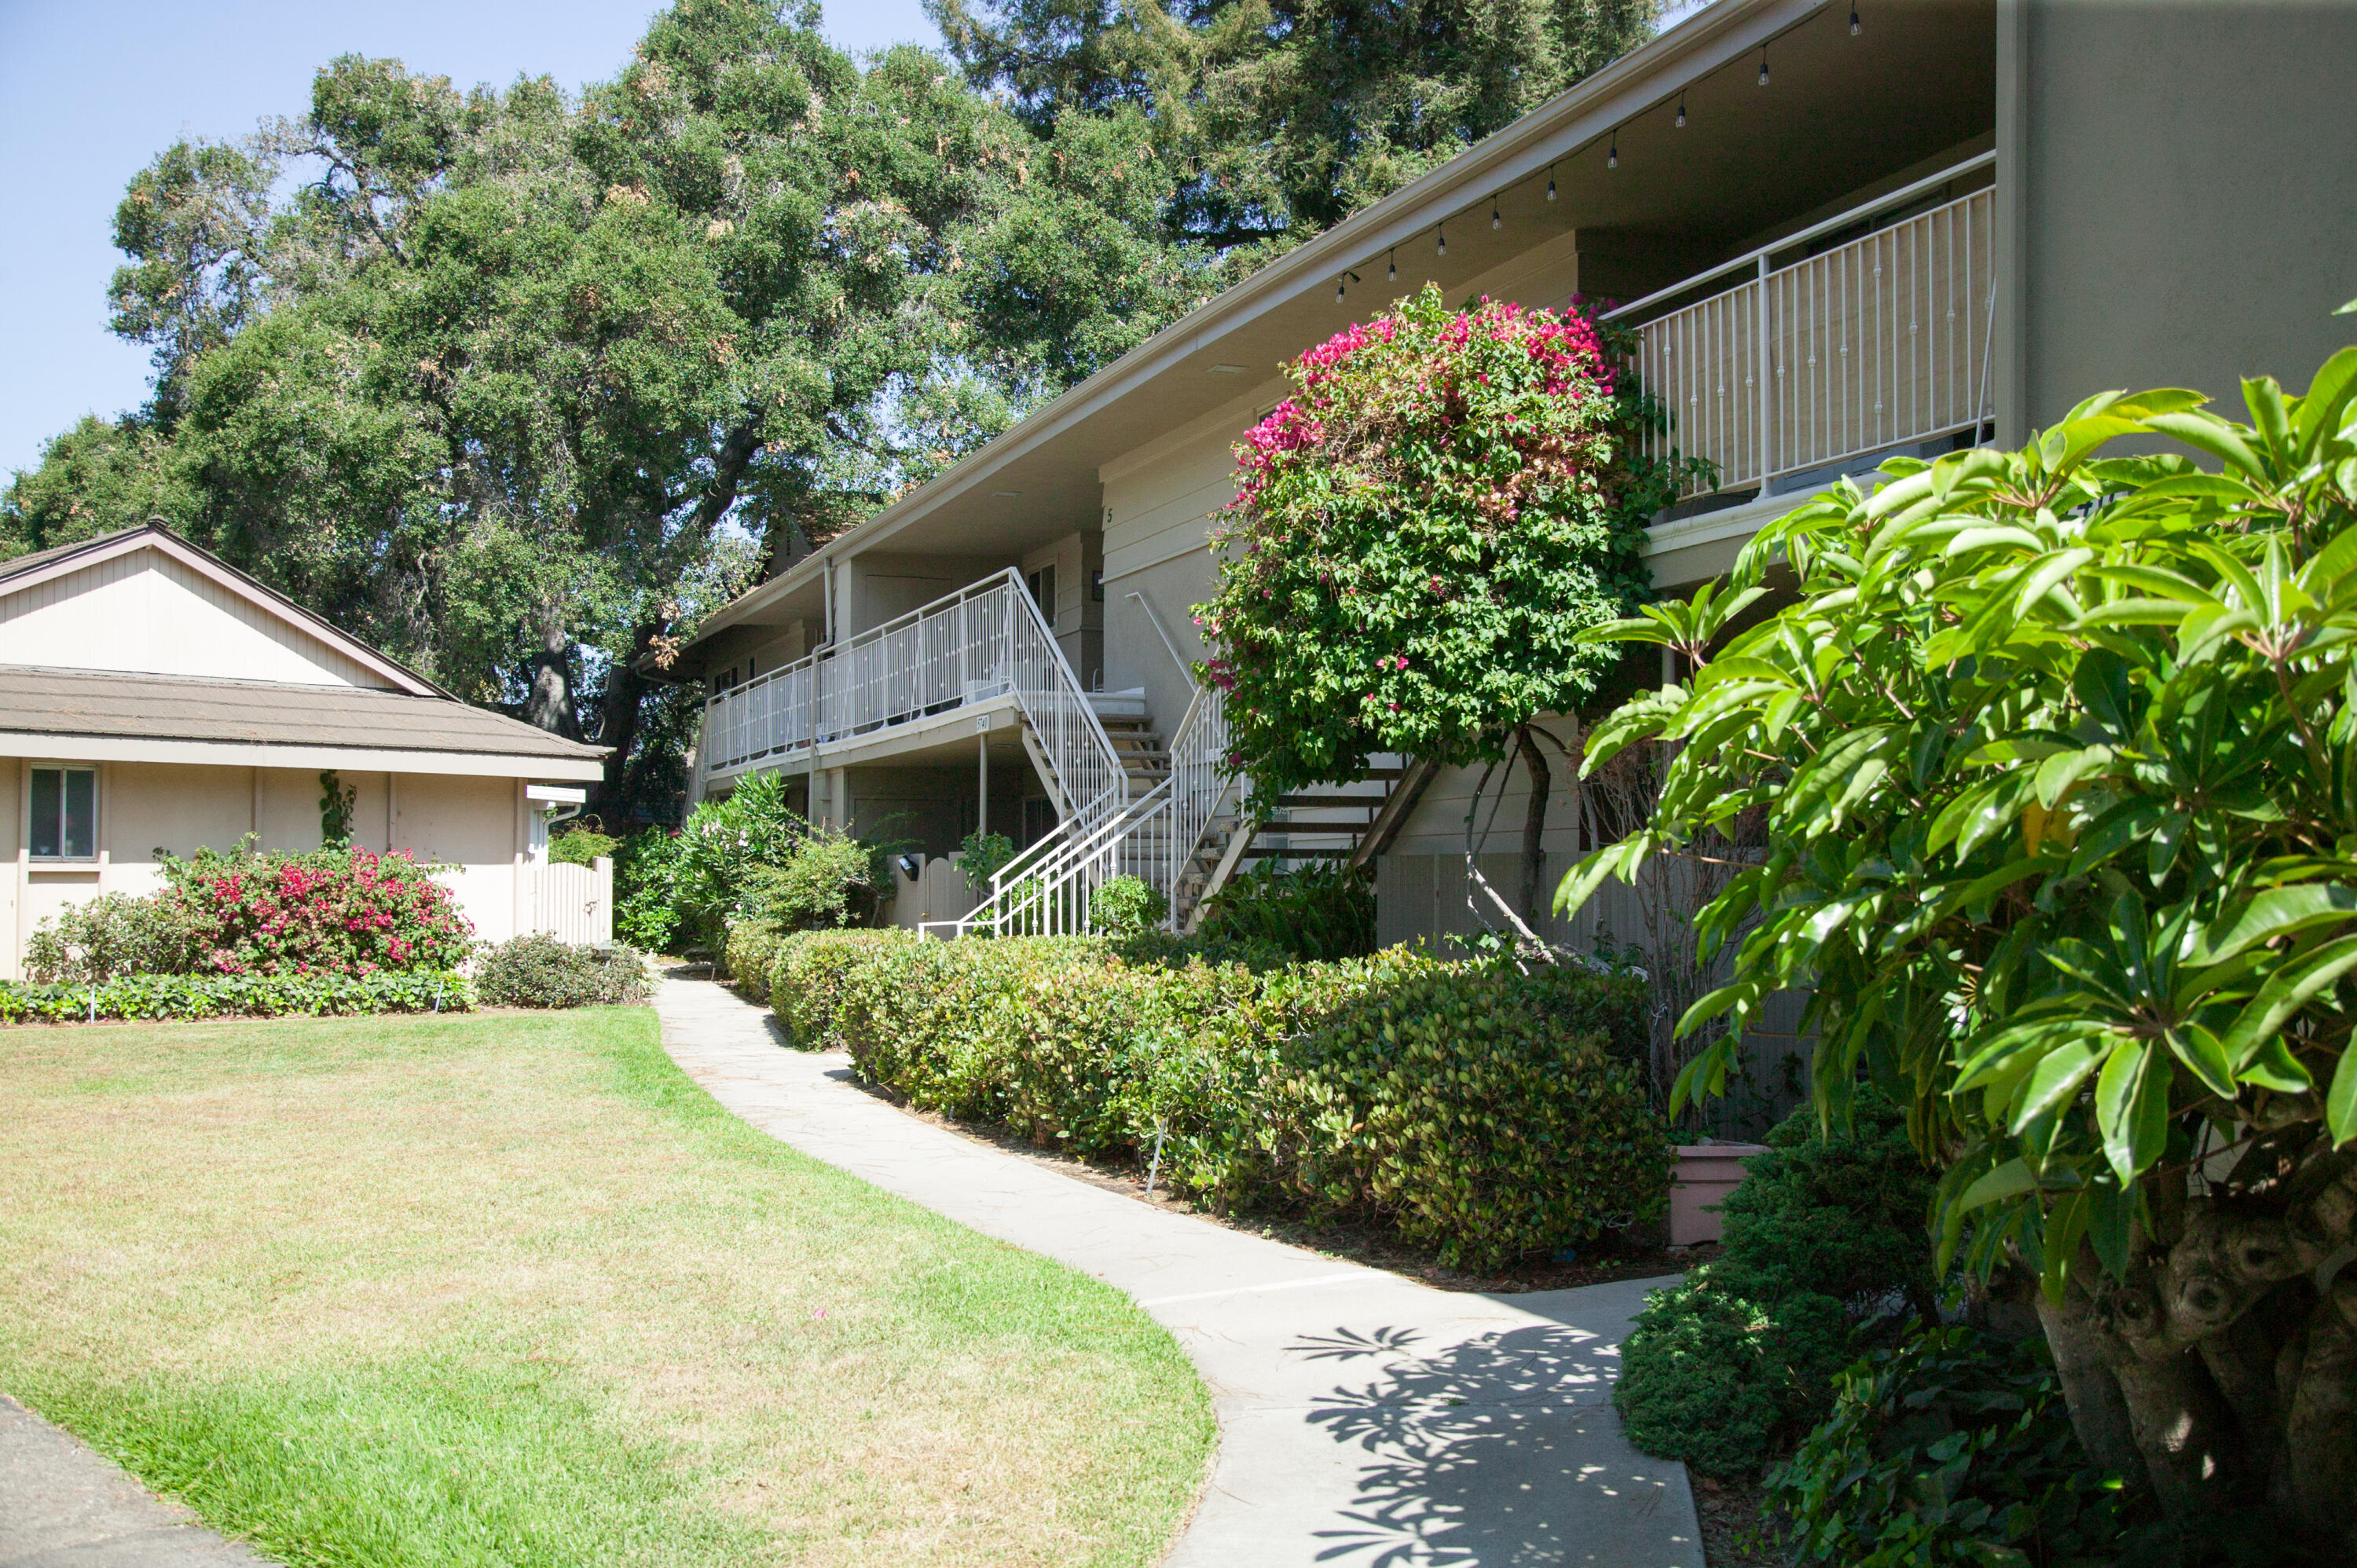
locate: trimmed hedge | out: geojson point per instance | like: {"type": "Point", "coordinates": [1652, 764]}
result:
{"type": "Point", "coordinates": [805, 980]}
{"type": "Point", "coordinates": [1478, 1113]}
{"type": "Point", "coordinates": [751, 948]}
{"type": "Point", "coordinates": [143, 996]}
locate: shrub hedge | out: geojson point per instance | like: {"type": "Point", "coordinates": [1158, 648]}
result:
{"type": "Point", "coordinates": [144, 996]}
{"type": "Point", "coordinates": [1477, 1112]}
{"type": "Point", "coordinates": [538, 971]}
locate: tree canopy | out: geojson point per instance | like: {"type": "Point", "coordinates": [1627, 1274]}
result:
{"type": "Point", "coordinates": [1278, 118]}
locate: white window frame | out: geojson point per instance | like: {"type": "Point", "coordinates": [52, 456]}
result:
{"type": "Point", "coordinates": [97, 812]}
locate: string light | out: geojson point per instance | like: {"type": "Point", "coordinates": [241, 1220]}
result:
{"type": "Point", "coordinates": [1763, 65]}
{"type": "Point", "coordinates": [1682, 107]}
{"type": "Point", "coordinates": [1348, 276]}
{"type": "Point", "coordinates": [1550, 182]}
{"type": "Point", "coordinates": [1394, 272]}
{"type": "Point", "coordinates": [1855, 27]}
{"type": "Point", "coordinates": [1444, 238]}
{"type": "Point", "coordinates": [1612, 157]}
{"type": "Point", "coordinates": [1495, 222]}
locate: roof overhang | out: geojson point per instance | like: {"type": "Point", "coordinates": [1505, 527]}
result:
{"type": "Point", "coordinates": [53, 747]}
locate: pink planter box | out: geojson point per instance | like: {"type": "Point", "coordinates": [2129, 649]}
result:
{"type": "Point", "coordinates": [1706, 1172]}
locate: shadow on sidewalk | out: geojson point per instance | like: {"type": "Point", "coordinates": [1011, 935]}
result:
{"type": "Point", "coordinates": [1485, 1452]}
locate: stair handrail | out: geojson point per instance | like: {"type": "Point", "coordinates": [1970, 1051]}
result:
{"type": "Point", "coordinates": [1198, 770]}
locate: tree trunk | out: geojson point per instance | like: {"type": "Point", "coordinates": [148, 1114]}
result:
{"type": "Point", "coordinates": [550, 703]}
{"type": "Point", "coordinates": [619, 714]}
{"type": "Point", "coordinates": [1541, 782]}
{"type": "Point", "coordinates": [2214, 1372]}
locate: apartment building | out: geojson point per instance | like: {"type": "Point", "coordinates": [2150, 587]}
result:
{"type": "Point", "coordinates": [1842, 231]}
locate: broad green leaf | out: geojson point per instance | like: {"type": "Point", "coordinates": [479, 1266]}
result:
{"type": "Point", "coordinates": [2132, 1107]}
{"type": "Point", "coordinates": [2278, 912]}
{"type": "Point", "coordinates": [2008, 1180]}
{"type": "Point", "coordinates": [2290, 988]}
{"type": "Point", "coordinates": [2057, 1078]}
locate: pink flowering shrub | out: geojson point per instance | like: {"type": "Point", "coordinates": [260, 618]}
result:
{"type": "Point", "coordinates": [330, 911]}
{"type": "Point", "coordinates": [1419, 534]}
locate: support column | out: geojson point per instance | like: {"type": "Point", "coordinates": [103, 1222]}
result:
{"type": "Point", "coordinates": [982, 792]}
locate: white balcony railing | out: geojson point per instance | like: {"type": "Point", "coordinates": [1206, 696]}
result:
{"type": "Point", "coordinates": [987, 640]}
{"type": "Point", "coordinates": [1875, 343]}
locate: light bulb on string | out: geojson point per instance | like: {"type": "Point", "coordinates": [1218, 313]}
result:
{"type": "Point", "coordinates": [1337, 291]}
{"type": "Point", "coordinates": [1612, 157]}
{"type": "Point", "coordinates": [1394, 276]}
{"type": "Point", "coordinates": [1763, 65]}
{"type": "Point", "coordinates": [1437, 229]}
{"type": "Point", "coordinates": [1855, 27]}
{"type": "Point", "coordinates": [1550, 182]}
{"type": "Point", "coordinates": [1495, 222]}
{"type": "Point", "coordinates": [1682, 109]}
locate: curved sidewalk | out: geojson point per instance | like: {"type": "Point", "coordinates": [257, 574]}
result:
{"type": "Point", "coordinates": [1364, 1419]}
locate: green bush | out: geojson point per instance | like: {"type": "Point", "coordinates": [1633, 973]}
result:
{"type": "Point", "coordinates": [144, 996]}
{"type": "Point", "coordinates": [646, 875]}
{"type": "Point", "coordinates": [1824, 1251]}
{"type": "Point", "coordinates": [1124, 905]}
{"type": "Point", "coordinates": [829, 879]}
{"type": "Point", "coordinates": [751, 951]}
{"type": "Point", "coordinates": [582, 846]}
{"type": "Point", "coordinates": [808, 975]}
{"type": "Point", "coordinates": [117, 934]}
{"type": "Point", "coordinates": [1952, 1450]}
{"type": "Point", "coordinates": [1476, 1112]}
{"type": "Point", "coordinates": [1312, 913]}
{"type": "Point", "coordinates": [538, 971]}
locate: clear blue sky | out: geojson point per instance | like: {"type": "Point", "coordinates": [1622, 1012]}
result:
{"type": "Point", "coordinates": [88, 95]}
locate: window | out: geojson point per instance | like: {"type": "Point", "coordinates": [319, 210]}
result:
{"type": "Point", "coordinates": [1043, 592]}
{"type": "Point", "coordinates": [1096, 588]}
{"type": "Point", "coordinates": [65, 814]}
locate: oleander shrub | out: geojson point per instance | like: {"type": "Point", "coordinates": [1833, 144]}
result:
{"type": "Point", "coordinates": [312, 994]}
{"type": "Point", "coordinates": [539, 971]}
{"type": "Point", "coordinates": [1478, 1113]}
{"type": "Point", "coordinates": [1312, 912]}
{"type": "Point", "coordinates": [1124, 905]}
{"type": "Point", "coordinates": [1824, 1255]}
{"type": "Point", "coordinates": [808, 975]}
{"type": "Point", "coordinates": [1951, 1449]}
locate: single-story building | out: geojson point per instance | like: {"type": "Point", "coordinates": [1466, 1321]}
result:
{"type": "Point", "coordinates": [154, 699]}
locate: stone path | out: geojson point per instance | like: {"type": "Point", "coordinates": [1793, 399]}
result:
{"type": "Point", "coordinates": [63, 1505]}
{"type": "Point", "coordinates": [1364, 1419]}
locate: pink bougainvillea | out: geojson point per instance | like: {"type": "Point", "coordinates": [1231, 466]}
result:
{"type": "Point", "coordinates": [334, 911]}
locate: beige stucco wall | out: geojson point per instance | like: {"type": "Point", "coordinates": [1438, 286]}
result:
{"type": "Point", "coordinates": [477, 825]}
{"type": "Point", "coordinates": [2188, 196]}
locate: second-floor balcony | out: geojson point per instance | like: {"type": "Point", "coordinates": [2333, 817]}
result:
{"type": "Point", "coordinates": [1831, 348]}
{"type": "Point", "coordinates": [984, 646]}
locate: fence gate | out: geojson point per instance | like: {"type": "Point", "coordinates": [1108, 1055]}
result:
{"type": "Point", "coordinates": [573, 903]}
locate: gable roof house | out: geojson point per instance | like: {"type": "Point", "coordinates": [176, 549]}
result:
{"type": "Point", "coordinates": [153, 697]}
{"type": "Point", "coordinates": [1844, 232]}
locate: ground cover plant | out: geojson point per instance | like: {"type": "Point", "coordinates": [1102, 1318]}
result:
{"type": "Point", "coordinates": [1478, 1113]}
{"type": "Point", "coordinates": [320, 992]}
{"type": "Point", "coordinates": [2057, 755]}
{"type": "Point", "coordinates": [511, 1288]}
{"type": "Point", "coordinates": [1310, 912]}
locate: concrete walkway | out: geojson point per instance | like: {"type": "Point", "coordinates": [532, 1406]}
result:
{"type": "Point", "coordinates": [64, 1505]}
{"type": "Point", "coordinates": [1364, 1419]}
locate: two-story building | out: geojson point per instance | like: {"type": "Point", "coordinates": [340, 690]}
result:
{"type": "Point", "coordinates": [1843, 231]}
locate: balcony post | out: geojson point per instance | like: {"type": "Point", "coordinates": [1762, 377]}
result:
{"type": "Point", "coordinates": [1767, 396]}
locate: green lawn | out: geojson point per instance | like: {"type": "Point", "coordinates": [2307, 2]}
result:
{"type": "Point", "coordinates": [512, 1290]}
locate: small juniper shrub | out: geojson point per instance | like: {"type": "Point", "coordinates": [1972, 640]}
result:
{"type": "Point", "coordinates": [538, 971]}
{"type": "Point", "coordinates": [1824, 1256]}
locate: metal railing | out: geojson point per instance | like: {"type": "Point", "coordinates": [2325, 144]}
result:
{"type": "Point", "coordinates": [985, 641]}
{"type": "Point", "coordinates": [1045, 891]}
{"type": "Point", "coordinates": [1871, 344]}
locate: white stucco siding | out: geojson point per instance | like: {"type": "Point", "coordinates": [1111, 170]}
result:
{"type": "Point", "coordinates": [141, 610]}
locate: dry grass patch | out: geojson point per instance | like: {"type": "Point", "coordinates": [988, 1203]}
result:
{"type": "Point", "coordinates": [512, 1290]}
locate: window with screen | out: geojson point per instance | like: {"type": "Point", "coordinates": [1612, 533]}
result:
{"type": "Point", "coordinates": [64, 813]}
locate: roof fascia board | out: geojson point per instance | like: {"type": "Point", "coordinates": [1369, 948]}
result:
{"type": "Point", "coordinates": [1702, 43]}
{"type": "Point", "coordinates": [261, 596]}
{"type": "Point", "coordinates": [51, 747]}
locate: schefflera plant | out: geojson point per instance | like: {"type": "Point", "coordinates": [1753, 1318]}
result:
{"type": "Point", "coordinates": [2054, 750]}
